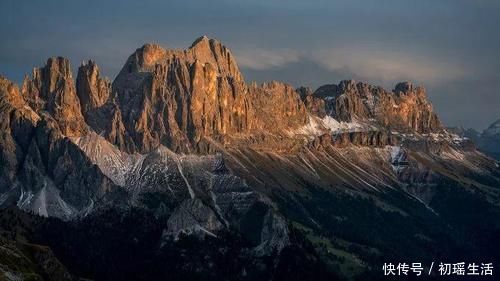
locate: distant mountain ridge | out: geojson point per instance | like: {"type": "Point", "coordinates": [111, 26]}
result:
{"type": "Point", "coordinates": [488, 140]}
{"type": "Point", "coordinates": [181, 142]}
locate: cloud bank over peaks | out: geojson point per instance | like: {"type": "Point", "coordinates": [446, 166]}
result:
{"type": "Point", "coordinates": [378, 64]}
{"type": "Point", "coordinates": [261, 59]}
{"type": "Point", "coordinates": [373, 64]}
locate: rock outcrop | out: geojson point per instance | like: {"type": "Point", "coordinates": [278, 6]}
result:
{"type": "Point", "coordinates": [372, 138]}
{"type": "Point", "coordinates": [186, 99]}
{"type": "Point", "coordinates": [93, 92]}
{"type": "Point", "coordinates": [314, 105]}
{"type": "Point", "coordinates": [41, 169]}
{"type": "Point", "coordinates": [51, 88]}
{"type": "Point", "coordinates": [180, 98]}
{"type": "Point", "coordinates": [487, 141]}
{"type": "Point", "coordinates": [175, 98]}
{"type": "Point", "coordinates": [405, 109]}
{"type": "Point", "coordinates": [16, 129]}
{"type": "Point", "coordinates": [277, 107]}
{"type": "Point", "coordinates": [180, 144]}
{"type": "Point", "coordinates": [189, 101]}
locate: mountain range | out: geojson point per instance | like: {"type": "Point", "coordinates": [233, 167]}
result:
{"type": "Point", "coordinates": [180, 170]}
{"type": "Point", "coordinates": [487, 141]}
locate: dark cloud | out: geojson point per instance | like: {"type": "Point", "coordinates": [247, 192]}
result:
{"type": "Point", "coordinates": [450, 46]}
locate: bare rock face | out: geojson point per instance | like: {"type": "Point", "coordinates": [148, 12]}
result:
{"type": "Point", "coordinates": [372, 139]}
{"type": "Point", "coordinates": [413, 109]}
{"type": "Point", "coordinates": [181, 98]}
{"type": "Point", "coordinates": [489, 140]}
{"type": "Point", "coordinates": [277, 107]}
{"type": "Point", "coordinates": [99, 106]}
{"type": "Point", "coordinates": [203, 49]}
{"type": "Point", "coordinates": [18, 122]}
{"type": "Point", "coordinates": [174, 97]}
{"type": "Point", "coordinates": [51, 89]}
{"type": "Point", "coordinates": [92, 90]}
{"type": "Point", "coordinates": [40, 168]}
{"type": "Point", "coordinates": [314, 105]}
{"type": "Point", "coordinates": [276, 156]}
{"type": "Point", "coordinates": [406, 108]}
{"type": "Point", "coordinates": [493, 130]}
{"type": "Point", "coordinates": [190, 101]}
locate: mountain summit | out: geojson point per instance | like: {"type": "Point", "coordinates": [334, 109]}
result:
{"type": "Point", "coordinates": [186, 99]}
{"type": "Point", "coordinates": [192, 168]}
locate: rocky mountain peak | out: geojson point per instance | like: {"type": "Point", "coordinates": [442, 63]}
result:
{"type": "Point", "coordinates": [403, 87]}
{"type": "Point", "coordinates": [347, 85]}
{"type": "Point", "coordinates": [214, 52]}
{"type": "Point", "coordinates": [149, 54]}
{"type": "Point", "coordinates": [9, 92]}
{"type": "Point", "coordinates": [194, 95]}
{"type": "Point", "coordinates": [179, 97]}
{"type": "Point", "coordinates": [405, 108]}
{"type": "Point", "coordinates": [183, 99]}
{"type": "Point", "coordinates": [56, 68]}
{"type": "Point", "coordinates": [203, 50]}
{"type": "Point", "coordinates": [315, 106]}
{"type": "Point", "coordinates": [407, 88]}
{"type": "Point", "coordinates": [304, 91]}
{"type": "Point", "coordinates": [200, 40]}
{"type": "Point", "coordinates": [93, 90]}
{"type": "Point", "coordinates": [51, 89]}
{"type": "Point", "coordinates": [493, 129]}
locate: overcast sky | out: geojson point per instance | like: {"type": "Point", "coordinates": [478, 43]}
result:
{"type": "Point", "coordinates": [449, 46]}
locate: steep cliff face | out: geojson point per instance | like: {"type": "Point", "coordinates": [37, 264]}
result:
{"type": "Point", "coordinates": [277, 107]}
{"type": "Point", "coordinates": [41, 169]}
{"type": "Point", "coordinates": [179, 98]}
{"type": "Point", "coordinates": [190, 101]}
{"type": "Point", "coordinates": [174, 97]}
{"type": "Point", "coordinates": [371, 139]}
{"type": "Point", "coordinates": [490, 139]}
{"type": "Point", "coordinates": [406, 108]}
{"type": "Point", "coordinates": [51, 89]}
{"type": "Point", "coordinates": [93, 92]}
{"type": "Point", "coordinates": [186, 99]}
{"type": "Point", "coordinates": [487, 141]}
{"type": "Point", "coordinates": [314, 105]}
{"type": "Point", "coordinates": [18, 123]}
{"type": "Point", "coordinates": [180, 137]}
{"type": "Point", "coordinates": [203, 195]}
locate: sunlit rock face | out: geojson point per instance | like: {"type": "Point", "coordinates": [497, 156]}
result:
{"type": "Point", "coordinates": [179, 134]}
{"type": "Point", "coordinates": [405, 108]}
{"type": "Point", "coordinates": [192, 101]}
{"type": "Point", "coordinates": [51, 89]}
{"type": "Point", "coordinates": [43, 171]}
{"type": "Point", "coordinates": [178, 98]}
{"type": "Point", "coordinates": [92, 89]}
{"type": "Point", "coordinates": [175, 98]}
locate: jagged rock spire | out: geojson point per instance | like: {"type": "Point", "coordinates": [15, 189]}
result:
{"type": "Point", "coordinates": [93, 90]}
{"type": "Point", "coordinates": [405, 109]}
{"type": "Point", "coordinates": [51, 89]}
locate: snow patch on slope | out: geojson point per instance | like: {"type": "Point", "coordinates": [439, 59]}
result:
{"type": "Point", "coordinates": [318, 126]}
{"type": "Point", "coordinates": [399, 158]}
